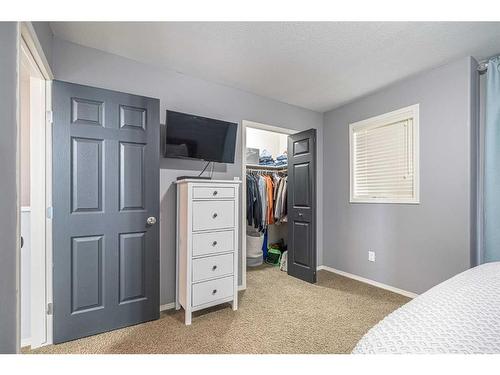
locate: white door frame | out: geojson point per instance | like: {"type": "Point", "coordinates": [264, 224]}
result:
{"type": "Point", "coordinates": [255, 125]}
{"type": "Point", "coordinates": [41, 198]}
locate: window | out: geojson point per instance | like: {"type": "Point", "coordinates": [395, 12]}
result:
{"type": "Point", "coordinates": [384, 158]}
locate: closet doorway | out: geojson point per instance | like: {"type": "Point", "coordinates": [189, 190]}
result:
{"type": "Point", "coordinates": [279, 199]}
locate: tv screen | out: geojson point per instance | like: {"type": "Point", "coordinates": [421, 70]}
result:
{"type": "Point", "coordinates": [195, 137]}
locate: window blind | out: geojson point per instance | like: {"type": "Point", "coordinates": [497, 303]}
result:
{"type": "Point", "coordinates": [383, 161]}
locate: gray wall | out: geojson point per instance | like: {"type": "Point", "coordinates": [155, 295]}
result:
{"type": "Point", "coordinates": [8, 198]}
{"type": "Point", "coordinates": [74, 63]}
{"type": "Point", "coordinates": [45, 37]}
{"type": "Point", "coordinates": [417, 246]}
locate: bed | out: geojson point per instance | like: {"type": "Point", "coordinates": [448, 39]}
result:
{"type": "Point", "coordinates": [460, 315]}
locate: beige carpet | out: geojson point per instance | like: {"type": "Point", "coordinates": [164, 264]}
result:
{"type": "Point", "coordinates": [277, 314]}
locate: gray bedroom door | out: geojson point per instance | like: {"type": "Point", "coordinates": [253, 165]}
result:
{"type": "Point", "coordinates": [106, 202]}
{"type": "Point", "coordinates": [302, 205]}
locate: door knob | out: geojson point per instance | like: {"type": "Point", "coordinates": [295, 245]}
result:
{"type": "Point", "coordinates": [300, 214]}
{"type": "Point", "coordinates": [151, 220]}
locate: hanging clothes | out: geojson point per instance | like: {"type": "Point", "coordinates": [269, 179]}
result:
{"type": "Point", "coordinates": [276, 180]}
{"type": "Point", "coordinates": [251, 198]}
{"type": "Point", "coordinates": [264, 245]}
{"type": "Point", "coordinates": [263, 198]}
{"type": "Point", "coordinates": [254, 204]}
{"type": "Point", "coordinates": [277, 208]}
{"type": "Point", "coordinates": [270, 200]}
{"type": "Point", "coordinates": [283, 214]}
{"type": "Point", "coordinates": [266, 199]}
{"type": "Point", "coordinates": [280, 211]}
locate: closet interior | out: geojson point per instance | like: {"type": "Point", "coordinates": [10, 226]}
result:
{"type": "Point", "coordinates": [266, 197]}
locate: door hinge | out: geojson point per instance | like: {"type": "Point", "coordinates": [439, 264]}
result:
{"type": "Point", "coordinates": [50, 308]}
{"type": "Point", "coordinates": [50, 117]}
{"type": "Point", "coordinates": [50, 212]}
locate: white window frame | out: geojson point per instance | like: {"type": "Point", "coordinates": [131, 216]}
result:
{"type": "Point", "coordinates": [410, 112]}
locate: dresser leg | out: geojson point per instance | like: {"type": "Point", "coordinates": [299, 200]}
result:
{"type": "Point", "coordinates": [177, 305]}
{"type": "Point", "coordinates": [234, 304]}
{"type": "Point", "coordinates": [187, 317]}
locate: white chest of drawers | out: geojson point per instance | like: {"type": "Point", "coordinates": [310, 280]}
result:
{"type": "Point", "coordinates": [207, 244]}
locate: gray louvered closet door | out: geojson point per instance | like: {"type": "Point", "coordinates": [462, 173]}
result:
{"type": "Point", "coordinates": [302, 205]}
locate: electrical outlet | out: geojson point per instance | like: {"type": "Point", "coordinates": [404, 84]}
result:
{"type": "Point", "coordinates": [371, 256]}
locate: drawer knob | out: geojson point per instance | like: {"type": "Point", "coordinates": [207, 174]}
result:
{"type": "Point", "coordinates": [215, 192]}
{"type": "Point", "coordinates": [214, 243]}
{"type": "Point", "coordinates": [214, 291]}
{"type": "Point", "coordinates": [214, 268]}
{"type": "Point", "coordinates": [214, 215]}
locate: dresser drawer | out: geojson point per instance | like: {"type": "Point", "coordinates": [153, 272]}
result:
{"type": "Point", "coordinates": [213, 192]}
{"type": "Point", "coordinates": [214, 242]}
{"type": "Point", "coordinates": [214, 266]}
{"type": "Point", "coordinates": [212, 290]}
{"type": "Point", "coordinates": [208, 215]}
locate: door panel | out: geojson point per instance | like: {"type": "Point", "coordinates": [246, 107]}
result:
{"type": "Point", "coordinates": [132, 266]}
{"type": "Point", "coordinates": [106, 185]}
{"type": "Point", "coordinates": [302, 205]}
{"type": "Point", "coordinates": [86, 174]}
{"type": "Point", "coordinates": [86, 273]}
{"type": "Point", "coordinates": [132, 176]}
{"type": "Point", "coordinates": [131, 117]}
{"type": "Point", "coordinates": [86, 112]}
{"type": "Point", "coordinates": [302, 233]}
{"type": "Point", "coordinates": [301, 192]}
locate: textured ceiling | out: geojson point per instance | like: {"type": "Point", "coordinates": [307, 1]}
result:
{"type": "Point", "coordinates": [313, 65]}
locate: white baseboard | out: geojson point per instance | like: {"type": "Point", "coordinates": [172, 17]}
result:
{"type": "Point", "coordinates": [368, 281]}
{"type": "Point", "coordinates": [168, 306]}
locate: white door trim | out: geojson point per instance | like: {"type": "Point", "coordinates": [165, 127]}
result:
{"type": "Point", "coordinates": [38, 218]}
{"type": "Point", "coordinates": [41, 198]}
{"type": "Point", "coordinates": [255, 125]}
{"type": "Point", "coordinates": [29, 36]}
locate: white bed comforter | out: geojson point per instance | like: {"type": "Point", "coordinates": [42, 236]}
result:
{"type": "Point", "coordinates": [460, 315]}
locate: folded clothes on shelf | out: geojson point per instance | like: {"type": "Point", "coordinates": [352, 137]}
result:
{"type": "Point", "coordinates": [281, 160]}
{"type": "Point", "coordinates": [282, 157]}
{"type": "Point", "coordinates": [268, 160]}
{"type": "Point", "coordinates": [265, 154]}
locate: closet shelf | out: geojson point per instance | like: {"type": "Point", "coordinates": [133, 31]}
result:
{"type": "Point", "coordinates": [267, 167]}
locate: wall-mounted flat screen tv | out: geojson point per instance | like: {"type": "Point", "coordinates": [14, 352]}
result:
{"type": "Point", "coordinates": [195, 137]}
